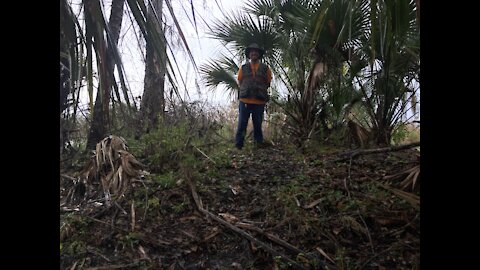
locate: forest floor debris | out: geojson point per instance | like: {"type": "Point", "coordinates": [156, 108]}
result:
{"type": "Point", "coordinates": [309, 211]}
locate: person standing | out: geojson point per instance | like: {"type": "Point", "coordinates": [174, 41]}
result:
{"type": "Point", "coordinates": [254, 80]}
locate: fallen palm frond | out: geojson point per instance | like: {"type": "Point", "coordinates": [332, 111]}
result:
{"type": "Point", "coordinates": [114, 166]}
{"type": "Point", "coordinates": [199, 204]}
{"type": "Point", "coordinates": [410, 181]}
{"type": "Point", "coordinates": [411, 198]}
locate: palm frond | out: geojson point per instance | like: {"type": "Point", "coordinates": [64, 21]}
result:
{"type": "Point", "coordinates": [240, 30]}
{"type": "Point", "coordinates": [289, 16]}
{"type": "Point", "coordinates": [180, 32]}
{"type": "Point", "coordinates": [113, 166]}
{"type": "Point", "coordinates": [156, 38]}
{"type": "Point", "coordinates": [219, 73]}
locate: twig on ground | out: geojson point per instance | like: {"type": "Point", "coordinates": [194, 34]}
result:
{"type": "Point", "coordinates": [368, 233]}
{"type": "Point", "coordinates": [115, 266]}
{"type": "Point", "coordinates": [360, 152]}
{"type": "Point", "coordinates": [281, 242]}
{"type": "Point", "coordinates": [201, 152]}
{"type": "Point", "coordinates": [238, 230]}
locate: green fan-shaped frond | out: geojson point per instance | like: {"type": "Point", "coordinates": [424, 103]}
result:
{"type": "Point", "coordinates": [222, 72]}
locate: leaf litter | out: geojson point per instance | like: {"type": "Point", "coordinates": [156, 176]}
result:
{"type": "Point", "coordinates": [270, 208]}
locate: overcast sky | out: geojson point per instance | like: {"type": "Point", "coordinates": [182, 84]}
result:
{"type": "Point", "coordinates": [203, 47]}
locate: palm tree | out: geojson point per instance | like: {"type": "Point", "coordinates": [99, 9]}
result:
{"type": "Point", "coordinates": [285, 29]}
{"type": "Point", "coordinates": [153, 101]}
{"type": "Point", "coordinates": [89, 54]}
{"type": "Point", "coordinates": [100, 120]}
{"type": "Point", "coordinates": [308, 44]}
{"type": "Point", "coordinates": [392, 49]}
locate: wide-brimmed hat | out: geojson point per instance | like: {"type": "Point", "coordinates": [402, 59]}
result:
{"type": "Point", "coordinates": [254, 46]}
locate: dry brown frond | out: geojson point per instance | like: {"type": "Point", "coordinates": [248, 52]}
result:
{"type": "Point", "coordinates": [411, 180]}
{"type": "Point", "coordinates": [130, 164]}
{"type": "Point", "coordinates": [411, 198]}
{"type": "Point", "coordinates": [118, 143]}
{"type": "Point", "coordinates": [89, 172]}
{"type": "Point", "coordinates": [113, 166]}
{"type": "Point", "coordinates": [358, 134]}
{"type": "Point", "coordinates": [409, 177]}
{"type": "Point", "coordinates": [318, 70]}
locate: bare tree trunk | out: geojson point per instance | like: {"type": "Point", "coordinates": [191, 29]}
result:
{"type": "Point", "coordinates": [153, 101]}
{"type": "Point", "coordinates": [100, 123]}
{"type": "Point", "coordinates": [64, 86]}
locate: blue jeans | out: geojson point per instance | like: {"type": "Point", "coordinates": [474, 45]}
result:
{"type": "Point", "coordinates": [244, 111]}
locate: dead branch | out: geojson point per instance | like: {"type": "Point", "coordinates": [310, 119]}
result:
{"type": "Point", "coordinates": [361, 152]}
{"type": "Point", "coordinates": [413, 199]}
{"type": "Point", "coordinates": [69, 177]}
{"type": "Point", "coordinates": [271, 237]}
{"type": "Point", "coordinates": [205, 155]}
{"type": "Point", "coordinates": [281, 242]}
{"type": "Point", "coordinates": [117, 266]}
{"type": "Point", "coordinates": [368, 232]}
{"type": "Point", "coordinates": [238, 230]}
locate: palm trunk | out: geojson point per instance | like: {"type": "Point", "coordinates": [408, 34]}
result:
{"type": "Point", "coordinates": [153, 101]}
{"type": "Point", "coordinates": [100, 123]}
{"type": "Point", "coordinates": [382, 135]}
{"type": "Point", "coordinates": [64, 87]}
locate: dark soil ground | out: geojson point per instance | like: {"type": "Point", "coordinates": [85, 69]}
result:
{"type": "Point", "coordinates": [347, 214]}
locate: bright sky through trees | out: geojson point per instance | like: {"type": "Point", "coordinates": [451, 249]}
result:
{"type": "Point", "coordinates": [202, 46]}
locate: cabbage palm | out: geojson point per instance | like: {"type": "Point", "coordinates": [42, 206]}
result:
{"type": "Point", "coordinates": [274, 25]}
{"type": "Point", "coordinates": [89, 53]}
{"type": "Point", "coordinates": [380, 40]}
{"type": "Point", "coordinates": [237, 32]}
{"type": "Point", "coordinates": [100, 115]}
{"type": "Point", "coordinates": [335, 30]}
{"type": "Point", "coordinates": [153, 100]}
{"type": "Point", "coordinates": [392, 49]}
{"type": "Point", "coordinates": [307, 44]}
{"type": "Point", "coordinates": [287, 30]}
